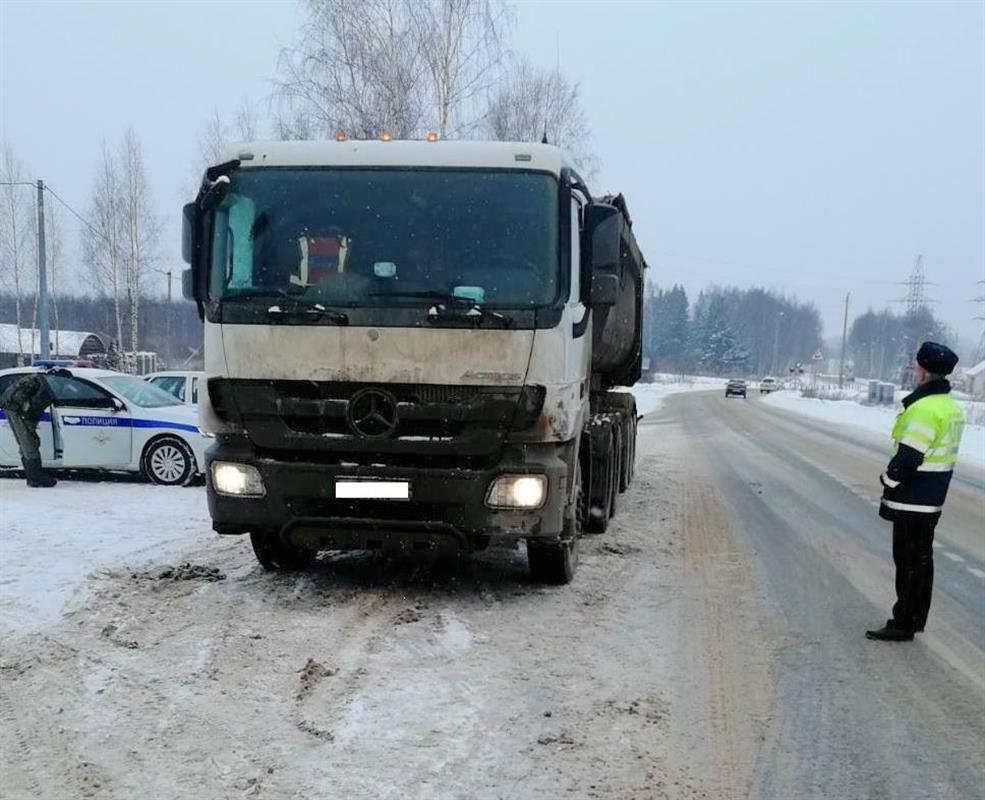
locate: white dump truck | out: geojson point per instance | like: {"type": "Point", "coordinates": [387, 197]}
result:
{"type": "Point", "coordinates": [412, 345]}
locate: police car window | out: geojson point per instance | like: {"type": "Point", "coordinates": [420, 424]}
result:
{"type": "Point", "coordinates": [172, 384]}
{"type": "Point", "coordinates": [74, 392]}
{"type": "Point", "coordinates": [194, 390]}
{"type": "Point", "coordinates": [6, 380]}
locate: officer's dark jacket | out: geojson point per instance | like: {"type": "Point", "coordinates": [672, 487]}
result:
{"type": "Point", "coordinates": [27, 397]}
{"type": "Point", "coordinates": [927, 435]}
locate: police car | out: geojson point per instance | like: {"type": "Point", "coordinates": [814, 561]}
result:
{"type": "Point", "coordinates": [102, 419]}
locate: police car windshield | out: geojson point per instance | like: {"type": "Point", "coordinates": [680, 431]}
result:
{"type": "Point", "coordinates": [140, 392]}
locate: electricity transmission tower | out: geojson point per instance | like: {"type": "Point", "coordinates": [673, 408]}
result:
{"type": "Point", "coordinates": [916, 289]}
{"type": "Point", "coordinates": [915, 300]}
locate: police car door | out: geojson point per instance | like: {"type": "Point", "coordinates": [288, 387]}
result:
{"type": "Point", "coordinates": [92, 427]}
{"type": "Point", "coordinates": [10, 454]}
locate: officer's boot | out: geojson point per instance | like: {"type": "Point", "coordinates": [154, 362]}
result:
{"type": "Point", "coordinates": [35, 475]}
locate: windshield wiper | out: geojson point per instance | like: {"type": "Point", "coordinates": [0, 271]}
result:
{"type": "Point", "coordinates": [451, 306]}
{"type": "Point", "coordinates": [299, 309]}
{"type": "Point", "coordinates": [313, 312]}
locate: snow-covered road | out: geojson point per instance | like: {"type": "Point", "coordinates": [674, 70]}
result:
{"type": "Point", "coordinates": [709, 648]}
{"type": "Point", "coordinates": [876, 421]}
{"type": "Point", "coordinates": [52, 541]}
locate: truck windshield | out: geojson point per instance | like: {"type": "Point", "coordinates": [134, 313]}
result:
{"type": "Point", "coordinates": [387, 237]}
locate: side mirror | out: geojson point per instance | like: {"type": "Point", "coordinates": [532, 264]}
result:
{"type": "Point", "coordinates": [189, 215]}
{"type": "Point", "coordinates": [192, 279]}
{"type": "Point", "coordinates": [605, 224]}
{"type": "Point", "coordinates": [216, 193]}
{"type": "Point", "coordinates": [605, 289]}
{"type": "Point", "coordinates": [118, 404]}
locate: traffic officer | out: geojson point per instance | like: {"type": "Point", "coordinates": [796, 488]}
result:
{"type": "Point", "coordinates": [24, 401]}
{"type": "Point", "coordinates": [927, 435]}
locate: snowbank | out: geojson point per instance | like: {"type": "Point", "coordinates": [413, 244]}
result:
{"type": "Point", "coordinates": [52, 539]}
{"type": "Point", "coordinates": [650, 396]}
{"type": "Point", "coordinates": [877, 420]}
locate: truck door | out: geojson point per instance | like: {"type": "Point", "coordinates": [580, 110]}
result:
{"type": "Point", "coordinates": [91, 431]}
{"type": "Point", "coordinates": [9, 451]}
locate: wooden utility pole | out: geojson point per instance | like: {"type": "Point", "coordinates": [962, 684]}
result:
{"type": "Point", "coordinates": [844, 344]}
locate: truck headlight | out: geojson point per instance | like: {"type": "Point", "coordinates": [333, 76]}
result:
{"type": "Point", "coordinates": [517, 491]}
{"type": "Point", "coordinates": [237, 480]}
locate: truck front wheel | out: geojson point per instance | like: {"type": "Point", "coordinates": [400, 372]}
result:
{"type": "Point", "coordinates": [555, 562]}
{"type": "Point", "coordinates": [275, 553]}
{"type": "Point", "coordinates": [552, 562]}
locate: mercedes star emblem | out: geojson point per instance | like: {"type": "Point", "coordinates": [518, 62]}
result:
{"type": "Point", "coordinates": [372, 413]}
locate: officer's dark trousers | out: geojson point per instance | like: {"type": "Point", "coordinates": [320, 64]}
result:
{"type": "Point", "coordinates": [913, 553]}
{"type": "Point", "coordinates": [26, 434]}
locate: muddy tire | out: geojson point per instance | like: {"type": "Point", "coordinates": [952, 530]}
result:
{"type": "Point", "coordinates": [552, 562]}
{"type": "Point", "coordinates": [555, 562]}
{"type": "Point", "coordinates": [276, 554]}
{"type": "Point", "coordinates": [616, 469]}
{"type": "Point", "coordinates": [168, 461]}
{"type": "Point", "coordinates": [600, 487]}
{"type": "Point", "coordinates": [628, 441]}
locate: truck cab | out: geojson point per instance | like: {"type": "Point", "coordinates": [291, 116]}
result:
{"type": "Point", "coordinates": [402, 342]}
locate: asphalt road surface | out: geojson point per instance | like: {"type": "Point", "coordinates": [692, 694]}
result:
{"type": "Point", "coordinates": [851, 718]}
{"type": "Point", "coordinates": [711, 647]}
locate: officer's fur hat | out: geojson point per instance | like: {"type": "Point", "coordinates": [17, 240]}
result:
{"type": "Point", "coordinates": [937, 358]}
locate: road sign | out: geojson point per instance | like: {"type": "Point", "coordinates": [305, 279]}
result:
{"type": "Point", "coordinates": [817, 356]}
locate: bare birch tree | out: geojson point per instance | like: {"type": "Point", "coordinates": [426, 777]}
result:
{"type": "Point", "coordinates": [101, 245]}
{"type": "Point", "coordinates": [54, 252]}
{"type": "Point", "coordinates": [356, 67]}
{"type": "Point", "coordinates": [532, 103]}
{"type": "Point", "coordinates": [218, 133]}
{"type": "Point", "coordinates": [213, 138]}
{"type": "Point", "coordinates": [246, 123]}
{"type": "Point", "coordinates": [141, 230]}
{"type": "Point", "coordinates": [462, 43]}
{"type": "Point", "coordinates": [15, 231]}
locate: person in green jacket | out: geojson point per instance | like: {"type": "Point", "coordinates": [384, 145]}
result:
{"type": "Point", "coordinates": [927, 435]}
{"type": "Point", "coordinates": [24, 402]}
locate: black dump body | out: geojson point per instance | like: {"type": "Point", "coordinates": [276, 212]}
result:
{"type": "Point", "coordinates": [617, 352]}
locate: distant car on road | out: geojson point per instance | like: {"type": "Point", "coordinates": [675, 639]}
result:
{"type": "Point", "coordinates": [182, 384]}
{"type": "Point", "coordinates": [102, 419]}
{"type": "Point", "coordinates": [735, 388]}
{"type": "Point", "coordinates": [767, 385]}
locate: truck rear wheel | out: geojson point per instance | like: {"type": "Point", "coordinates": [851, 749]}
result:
{"type": "Point", "coordinates": [601, 485]}
{"type": "Point", "coordinates": [275, 553]}
{"type": "Point", "coordinates": [618, 457]}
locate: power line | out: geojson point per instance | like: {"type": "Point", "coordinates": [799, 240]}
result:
{"type": "Point", "coordinates": [92, 228]}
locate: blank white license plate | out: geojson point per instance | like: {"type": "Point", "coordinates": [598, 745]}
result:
{"type": "Point", "coordinates": [372, 490]}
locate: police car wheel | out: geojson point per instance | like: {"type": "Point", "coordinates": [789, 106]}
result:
{"type": "Point", "coordinates": [168, 462]}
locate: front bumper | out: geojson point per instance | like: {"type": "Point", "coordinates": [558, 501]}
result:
{"type": "Point", "coordinates": [446, 507]}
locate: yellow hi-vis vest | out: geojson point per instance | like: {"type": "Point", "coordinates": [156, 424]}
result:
{"type": "Point", "coordinates": [932, 426]}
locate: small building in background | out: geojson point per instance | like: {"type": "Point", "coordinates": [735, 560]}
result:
{"type": "Point", "coordinates": [143, 362]}
{"type": "Point", "coordinates": [63, 344]}
{"type": "Point", "coordinates": [974, 380]}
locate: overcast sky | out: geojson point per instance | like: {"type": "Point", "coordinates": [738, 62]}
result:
{"type": "Point", "coordinates": [812, 148]}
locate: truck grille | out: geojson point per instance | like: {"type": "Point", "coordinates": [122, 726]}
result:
{"type": "Point", "coordinates": [318, 418]}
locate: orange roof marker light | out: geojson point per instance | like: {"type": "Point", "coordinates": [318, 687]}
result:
{"type": "Point", "coordinates": [341, 136]}
{"type": "Point", "coordinates": [432, 136]}
{"type": "Point", "coordinates": [385, 137]}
